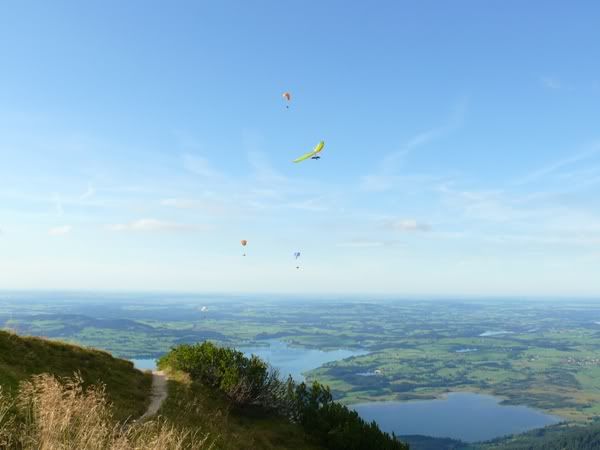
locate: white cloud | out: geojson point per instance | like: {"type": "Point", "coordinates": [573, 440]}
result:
{"type": "Point", "coordinates": [60, 231]}
{"type": "Point", "coordinates": [408, 225]}
{"type": "Point", "coordinates": [154, 225]}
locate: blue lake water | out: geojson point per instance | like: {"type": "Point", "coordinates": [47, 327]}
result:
{"type": "Point", "coordinates": [460, 415]}
{"type": "Point", "coordinates": [297, 360]}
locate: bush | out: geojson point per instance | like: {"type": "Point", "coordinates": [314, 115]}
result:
{"type": "Point", "coordinates": [245, 381]}
{"type": "Point", "coordinates": [251, 381]}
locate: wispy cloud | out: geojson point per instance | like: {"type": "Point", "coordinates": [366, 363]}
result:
{"type": "Point", "coordinates": [486, 205]}
{"type": "Point", "coordinates": [154, 225]}
{"type": "Point", "coordinates": [410, 225]}
{"type": "Point", "coordinates": [384, 177]}
{"type": "Point", "coordinates": [508, 217]}
{"type": "Point", "coordinates": [60, 231]}
{"type": "Point", "coordinates": [591, 151]}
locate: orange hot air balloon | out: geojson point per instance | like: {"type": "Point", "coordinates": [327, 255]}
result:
{"type": "Point", "coordinates": [287, 97]}
{"type": "Point", "coordinates": [244, 242]}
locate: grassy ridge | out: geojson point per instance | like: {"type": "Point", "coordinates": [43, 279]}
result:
{"type": "Point", "coordinates": [20, 357]}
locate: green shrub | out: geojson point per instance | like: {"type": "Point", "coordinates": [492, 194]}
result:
{"type": "Point", "coordinates": [245, 381]}
{"type": "Point", "coordinates": [251, 381]}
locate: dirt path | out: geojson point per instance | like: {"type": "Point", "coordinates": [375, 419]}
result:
{"type": "Point", "coordinates": [159, 393]}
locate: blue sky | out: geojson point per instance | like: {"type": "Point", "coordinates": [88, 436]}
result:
{"type": "Point", "coordinates": [140, 141]}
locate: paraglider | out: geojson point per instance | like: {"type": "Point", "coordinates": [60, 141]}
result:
{"type": "Point", "coordinates": [314, 154]}
{"type": "Point", "coordinates": [244, 242]}
{"type": "Point", "coordinates": [296, 256]}
{"type": "Point", "coordinates": [287, 97]}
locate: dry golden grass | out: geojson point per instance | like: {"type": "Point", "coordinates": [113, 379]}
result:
{"type": "Point", "coordinates": [60, 414]}
{"type": "Point", "coordinates": [21, 357]}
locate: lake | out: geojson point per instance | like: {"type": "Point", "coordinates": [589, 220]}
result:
{"type": "Point", "coordinates": [289, 360]}
{"type": "Point", "coordinates": [297, 360]}
{"type": "Point", "coordinates": [460, 415]}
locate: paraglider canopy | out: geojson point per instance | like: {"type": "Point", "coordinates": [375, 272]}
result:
{"type": "Point", "coordinates": [297, 255]}
{"type": "Point", "coordinates": [287, 96]}
{"type": "Point", "coordinates": [312, 154]}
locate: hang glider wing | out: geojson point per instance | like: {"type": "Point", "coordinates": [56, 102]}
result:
{"type": "Point", "coordinates": [315, 151]}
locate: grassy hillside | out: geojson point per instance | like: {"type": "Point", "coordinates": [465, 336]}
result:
{"type": "Point", "coordinates": [191, 408]}
{"type": "Point", "coordinates": [127, 388]}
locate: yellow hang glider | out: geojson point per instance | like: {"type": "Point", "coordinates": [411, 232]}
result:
{"type": "Point", "coordinates": [313, 154]}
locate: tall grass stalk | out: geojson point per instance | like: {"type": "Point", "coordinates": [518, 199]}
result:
{"type": "Point", "coordinates": [59, 414]}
